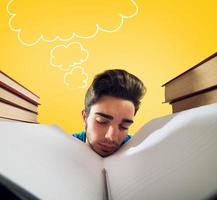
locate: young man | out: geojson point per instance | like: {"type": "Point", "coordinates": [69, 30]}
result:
{"type": "Point", "coordinates": [111, 103]}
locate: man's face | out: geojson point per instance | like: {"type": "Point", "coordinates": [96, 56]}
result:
{"type": "Point", "coordinates": [107, 124]}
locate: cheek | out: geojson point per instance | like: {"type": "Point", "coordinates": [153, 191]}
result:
{"type": "Point", "coordinates": [95, 132]}
{"type": "Point", "coordinates": [122, 135]}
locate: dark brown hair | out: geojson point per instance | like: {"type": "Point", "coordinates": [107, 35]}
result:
{"type": "Point", "coordinates": [116, 83]}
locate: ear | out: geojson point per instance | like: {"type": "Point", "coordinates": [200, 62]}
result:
{"type": "Point", "coordinates": [84, 116]}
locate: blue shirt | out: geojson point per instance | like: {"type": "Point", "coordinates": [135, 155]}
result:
{"type": "Point", "coordinates": [82, 136]}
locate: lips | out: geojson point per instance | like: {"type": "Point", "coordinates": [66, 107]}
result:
{"type": "Point", "coordinates": [107, 147]}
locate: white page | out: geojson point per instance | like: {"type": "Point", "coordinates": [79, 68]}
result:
{"type": "Point", "coordinates": [49, 163]}
{"type": "Point", "coordinates": [176, 161]}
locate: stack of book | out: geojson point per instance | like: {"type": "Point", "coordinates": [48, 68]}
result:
{"type": "Point", "coordinates": [17, 102]}
{"type": "Point", "coordinates": [195, 87]}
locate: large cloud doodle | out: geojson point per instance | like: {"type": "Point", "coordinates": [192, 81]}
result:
{"type": "Point", "coordinates": [64, 20]}
{"type": "Point", "coordinates": [76, 78]}
{"type": "Point", "coordinates": [65, 57]}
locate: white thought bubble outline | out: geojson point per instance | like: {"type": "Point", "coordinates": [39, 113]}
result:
{"type": "Point", "coordinates": [74, 35]}
{"type": "Point", "coordinates": [52, 57]}
{"type": "Point", "coordinates": [70, 73]}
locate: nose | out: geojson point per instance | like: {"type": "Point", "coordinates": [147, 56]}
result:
{"type": "Point", "coordinates": [112, 134]}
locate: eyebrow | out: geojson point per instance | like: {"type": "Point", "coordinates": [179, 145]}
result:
{"type": "Point", "coordinates": [127, 121]}
{"type": "Point", "coordinates": [111, 117]}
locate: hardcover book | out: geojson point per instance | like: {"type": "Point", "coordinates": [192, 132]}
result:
{"type": "Point", "coordinates": [12, 111]}
{"type": "Point", "coordinates": [200, 77]}
{"type": "Point", "coordinates": [13, 98]}
{"type": "Point", "coordinates": [11, 85]}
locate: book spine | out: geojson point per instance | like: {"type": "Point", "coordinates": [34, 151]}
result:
{"type": "Point", "coordinates": [195, 66]}
{"type": "Point", "coordinates": [15, 105]}
{"type": "Point", "coordinates": [18, 83]}
{"type": "Point", "coordinates": [17, 120]}
{"type": "Point", "coordinates": [16, 92]}
{"type": "Point", "coordinates": [192, 94]}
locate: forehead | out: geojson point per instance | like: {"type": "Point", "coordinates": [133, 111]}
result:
{"type": "Point", "coordinates": [116, 107]}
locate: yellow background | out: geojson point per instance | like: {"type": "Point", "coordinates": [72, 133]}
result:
{"type": "Point", "coordinates": [164, 39]}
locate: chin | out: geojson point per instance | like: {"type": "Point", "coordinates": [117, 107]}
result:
{"type": "Point", "coordinates": [105, 153]}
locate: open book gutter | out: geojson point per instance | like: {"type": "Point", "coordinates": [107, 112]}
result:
{"type": "Point", "coordinates": [107, 193]}
{"type": "Point", "coordinates": [13, 191]}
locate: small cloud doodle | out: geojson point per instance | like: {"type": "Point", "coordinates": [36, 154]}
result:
{"type": "Point", "coordinates": [76, 78]}
{"type": "Point", "coordinates": [64, 20]}
{"type": "Point", "coordinates": [67, 56]}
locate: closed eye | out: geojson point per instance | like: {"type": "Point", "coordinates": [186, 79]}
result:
{"type": "Point", "coordinates": [101, 122]}
{"type": "Point", "coordinates": [123, 128]}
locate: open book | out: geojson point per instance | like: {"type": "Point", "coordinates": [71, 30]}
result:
{"type": "Point", "coordinates": [172, 157]}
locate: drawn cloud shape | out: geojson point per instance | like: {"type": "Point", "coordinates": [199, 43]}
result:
{"type": "Point", "coordinates": [65, 57]}
{"type": "Point", "coordinates": [63, 20]}
{"type": "Point", "coordinates": [76, 78]}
